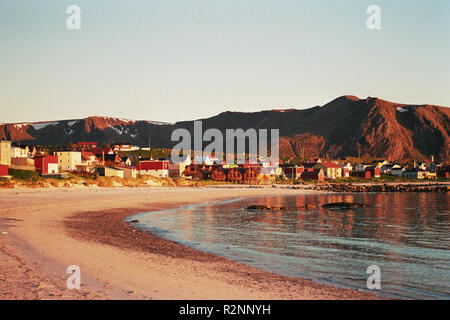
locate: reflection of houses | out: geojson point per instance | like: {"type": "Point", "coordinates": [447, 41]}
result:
{"type": "Point", "coordinates": [157, 168]}
{"type": "Point", "coordinates": [331, 170]}
{"type": "Point", "coordinates": [46, 164]}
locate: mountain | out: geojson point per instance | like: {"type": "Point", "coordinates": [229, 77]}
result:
{"type": "Point", "coordinates": [346, 126]}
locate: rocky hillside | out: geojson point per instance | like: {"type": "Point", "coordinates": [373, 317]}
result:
{"type": "Point", "coordinates": [346, 126]}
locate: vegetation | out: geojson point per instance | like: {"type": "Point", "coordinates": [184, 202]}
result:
{"type": "Point", "coordinates": [24, 174]}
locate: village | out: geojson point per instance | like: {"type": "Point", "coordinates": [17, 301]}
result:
{"type": "Point", "coordinates": [117, 160]}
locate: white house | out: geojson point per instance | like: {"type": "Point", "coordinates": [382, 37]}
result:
{"type": "Point", "coordinates": [361, 167]}
{"type": "Point", "coordinates": [20, 152]}
{"type": "Point", "coordinates": [68, 160]}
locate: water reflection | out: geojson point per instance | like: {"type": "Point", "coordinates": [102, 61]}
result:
{"type": "Point", "coordinates": [406, 234]}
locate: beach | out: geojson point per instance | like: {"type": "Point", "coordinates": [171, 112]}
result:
{"type": "Point", "coordinates": [43, 231]}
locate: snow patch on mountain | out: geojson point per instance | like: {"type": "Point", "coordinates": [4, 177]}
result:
{"type": "Point", "coordinates": [39, 126]}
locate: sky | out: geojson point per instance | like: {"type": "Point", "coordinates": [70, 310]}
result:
{"type": "Point", "coordinates": [173, 60]}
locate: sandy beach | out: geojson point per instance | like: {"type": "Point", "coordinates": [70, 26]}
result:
{"type": "Point", "coordinates": [43, 231]}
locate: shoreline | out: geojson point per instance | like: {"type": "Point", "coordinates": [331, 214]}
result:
{"type": "Point", "coordinates": [118, 260]}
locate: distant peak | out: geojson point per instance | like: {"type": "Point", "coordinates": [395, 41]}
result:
{"type": "Point", "coordinates": [342, 100]}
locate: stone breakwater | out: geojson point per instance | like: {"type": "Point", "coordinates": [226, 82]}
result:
{"type": "Point", "coordinates": [383, 187]}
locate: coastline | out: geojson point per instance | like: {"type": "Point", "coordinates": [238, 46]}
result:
{"type": "Point", "coordinates": [46, 232]}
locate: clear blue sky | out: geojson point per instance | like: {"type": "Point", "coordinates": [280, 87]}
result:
{"type": "Point", "coordinates": [170, 60]}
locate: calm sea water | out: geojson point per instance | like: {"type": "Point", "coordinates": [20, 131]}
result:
{"type": "Point", "coordinates": [406, 234]}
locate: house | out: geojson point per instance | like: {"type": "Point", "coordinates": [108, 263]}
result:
{"type": "Point", "coordinates": [386, 169]}
{"type": "Point", "coordinates": [208, 160]}
{"type": "Point", "coordinates": [420, 165]}
{"type": "Point", "coordinates": [361, 167]}
{"type": "Point", "coordinates": [219, 174]}
{"type": "Point", "coordinates": [3, 170]}
{"type": "Point", "coordinates": [86, 146]}
{"type": "Point", "coordinates": [330, 170]}
{"type": "Point", "coordinates": [443, 172]}
{"type": "Point", "coordinates": [157, 168]}
{"type": "Point", "coordinates": [252, 174]}
{"type": "Point", "coordinates": [345, 172]}
{"type": "Point", "coordinates": [379, 163]}
{"type": "Point", "coordinates": [128, 171]}
{"type": "Point", "coordinates": [111, 159]}
{"type": "Point", "coordinates": [430, 175]}
{"type": "Point", "coordinates": [5, 152]}
{"type": "Point", "coordinates": [364, 175]}
{"type": "Point", "coordinates": [88, 162]}
{"type": "Point", "coordinates": [397, 170]}
{"type": "Point", "coordinates": [235, 175]}
{"type": "Point", "coordinates": [110, 172]}
{"type": "Point", "coordinates": [347, 166]}
{"type": "Point", "coordinates": [17, 152]}
{"type": "Point", "coordinates": [193, 171]}
{"type": "Point", "coordinates": [126, 161]}
{"type": "Point", "coordinates": [414, 173]}
{"type": "Point", "coordinates": [99, 152]}
{"type": "Point", "coordinates": [293, 172]}
{"type": "Point", "coordinates": [176, 169]}
{"type": "Point", "coordinates": [22, 164]}
{"type": "Point", "coordinates": [375, 171]}
{"type": "Point", "coordinates": [46, 164]}
{"type": "Point", "coordinates": [272, 171]}
{"type": "Point", "coordinates": [122, 147]}
{"type": "Point", "coordinates": [314, 174]}
{"type": "Point", "coordinates": [68, 160]}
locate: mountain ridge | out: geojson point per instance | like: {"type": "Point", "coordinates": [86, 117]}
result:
{"type": "Point", "coordinates": [345, 126]}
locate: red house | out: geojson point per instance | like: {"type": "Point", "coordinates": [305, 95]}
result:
{"type": "Point", "coordinates": [3, 170]}
{"type": "Point", "coordinates": [159, 168]}
{"type": "Point", "coordinates": [293, 172]}
{"type": "Point", "coordinates": [46, 164]}
{"type": "Point", "coordinates": [365, 175]}
{"type": "Point", "coordinates": [375, 171]}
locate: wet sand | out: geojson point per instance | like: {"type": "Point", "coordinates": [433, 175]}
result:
{"type": "Point", "coordinates": [43, 231]}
